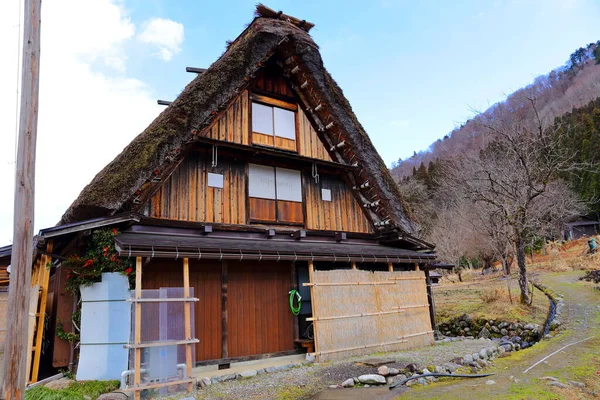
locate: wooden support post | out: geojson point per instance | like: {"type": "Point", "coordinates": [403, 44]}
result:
{"type": "Point", "coordinates": [431, 305]}
{"type": "Point", "coordinates": [417, 267]}
{"type": "Point", "coordinates": [187, 322]}
{"type": "Point", "coordinates": [137, 377]}
{"type": "Point", "coordinates": [14, 373]}
{"type": "Point", "coordinates": [390, 267]}
{"type": "Point", "coordinates": [353, 264]}
{"type": "Point", "coordinates": [296, 323]}
{"type": "Point", "coordinates": [44, 280]}
{"type": "Point", "coordinates": [224, 323]}
{"type": "Point", "coordinates": [313, 302]}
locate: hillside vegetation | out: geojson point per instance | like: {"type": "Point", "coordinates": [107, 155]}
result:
{"type": "Point", "coordinates": [507, 180]}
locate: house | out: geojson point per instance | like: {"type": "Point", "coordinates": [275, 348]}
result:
{"type": "Point", "coordinates": [256, 180]}
{"type": "Point", "coordinates": [582, 227]}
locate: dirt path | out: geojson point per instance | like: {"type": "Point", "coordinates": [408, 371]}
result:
{"type": "Point", "coordinates": [581, 320]}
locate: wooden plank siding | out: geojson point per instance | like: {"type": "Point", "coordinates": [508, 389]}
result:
{"type": "Point", "coordinates": [309, 143]}
{"type": "Point", "coordinates": [232, 125]}
{"type": "Point", "coordinates": [343, 213]}
{"type": "Point", "coordinates": [185, 195]}
{"type": "Point", "coordinates": [205, 278]}
{"type": "Point", "coordinates": [259, 317]}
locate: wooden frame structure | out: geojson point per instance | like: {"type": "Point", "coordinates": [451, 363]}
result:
{"type": "Point", "coordinates": [137, 345]}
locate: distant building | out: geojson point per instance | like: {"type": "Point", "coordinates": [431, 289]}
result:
{"type": "Point", "coordinates": [581, 228]}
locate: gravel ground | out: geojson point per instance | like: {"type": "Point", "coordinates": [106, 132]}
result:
{"type": "Point", "coordinates": [304, 381]}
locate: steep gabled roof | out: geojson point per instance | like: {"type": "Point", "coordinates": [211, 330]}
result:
{"type": "Point", "coordinates": [159, 148]}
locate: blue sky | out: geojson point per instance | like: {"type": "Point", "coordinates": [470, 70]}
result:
{"type": "Point", "coordinates": [412, 70]}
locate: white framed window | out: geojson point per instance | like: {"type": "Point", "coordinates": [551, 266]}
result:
{"type": "Point", "coordinates": [273, 121]}
{"type": "Point", "coordinates": [274, 183]}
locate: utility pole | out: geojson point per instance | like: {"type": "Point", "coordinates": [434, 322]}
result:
{"type": "Point", "coordinates": [15, 371]}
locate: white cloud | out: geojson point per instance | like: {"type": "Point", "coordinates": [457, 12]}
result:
{"type": "Point", "coordinates": [165, 34]}
{"type": "Point", "coordinates": [86, 117]}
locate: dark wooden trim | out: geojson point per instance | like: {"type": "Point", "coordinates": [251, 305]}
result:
{"type": "Point", "coordinates": [431, 305]}
{"type": "Point", "coordinates": [272, 101]}
{"type": "Point", "coordinates": [248, 358]}
{"type": "Point", "coordinates": [295, 287]}
{"type": "Point", "coordinates": [224, 322]}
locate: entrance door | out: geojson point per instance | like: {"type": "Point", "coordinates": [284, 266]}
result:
{"type": "Point", "coordinates": [259, 316]}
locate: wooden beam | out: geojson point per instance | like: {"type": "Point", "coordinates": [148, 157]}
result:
{"type": "Point", "coordinates": [163, 102]}
{"type": "Point", "coordinates": [396, 311]}
{"type": "Point", "coordinates": [390, 267]}
{"type": "Point", "coordinates": [224, 321]}
{"type": "Point", "coordinates": [137, 377]}
{"type": "Point", "coordinates": [296, 323]}
{"type": "Point", "coordinates": [195, 70]}
{"type": "Point", "coordinates": [187, 322]}
{"type": "Point", "coordinates": [431, 304]}
{"type": "Point", "coordinates": [14, 373]}
{"type": "Point", "coordinates": [353, 264]}
{"type": "Point", "coordinates": [314, 304]}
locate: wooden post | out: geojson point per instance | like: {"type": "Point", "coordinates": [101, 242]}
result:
{"type": "Point", "coordinates": [313, 302]}
{"type": "Point", "coordinates": [15, 350]}
{"type": "Point", "coordinates": [431, 305]}
{"type": "Point", "coordinates": [224, 323]}
{"type": "Point", "coordinates": [390, 267]}
{"type": "Point", "coordinates": [296, 324]}
{"type": "Point", "coordinates": [353, 264]}
{"type": "Point", "coordinates": [44, 280]}
{"type": "Point", "coordinates": [137, 377]}
{"type": "Point", "coordinates": [417, 267]}
{"type": "Point", "coordinates": [187, 322]}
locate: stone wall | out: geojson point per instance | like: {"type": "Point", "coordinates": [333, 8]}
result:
{"type": "Point", "coordinates": [481, 328]}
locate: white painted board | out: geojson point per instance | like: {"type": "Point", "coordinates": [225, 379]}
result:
{"type": "Point", "coordinates": [289, 185]}
{"type": "Point", "coordinates": [326, 194]}
{"type": "Point", "coordinates": [215, 180]}
{"type": "Point", "coordinates": [262, 119]}
{"type": "Point", "coordinates": [261, 181]}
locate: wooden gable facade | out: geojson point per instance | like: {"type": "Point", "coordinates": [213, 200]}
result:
{"type": "Point", "coordinates": [326, 202]}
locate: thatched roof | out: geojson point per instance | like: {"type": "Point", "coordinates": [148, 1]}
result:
{"type": "Point", "coordinates": [164, 142]}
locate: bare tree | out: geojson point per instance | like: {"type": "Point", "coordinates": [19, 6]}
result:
{"type": "Point", "coordinates": [516, 176]}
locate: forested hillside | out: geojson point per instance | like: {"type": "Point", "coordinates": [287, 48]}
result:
{"type": "Point", "coordinates": [512, 176]}
{"type": "Point", "coordinates": [570, 86]}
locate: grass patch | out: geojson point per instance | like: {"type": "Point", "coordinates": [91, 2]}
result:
{"type": "Point", "coordinates": [487, 298]}
{"type": "Point", "coordinates": [76, 391]}
{"type": "Point", "coordinates": [293, 393]}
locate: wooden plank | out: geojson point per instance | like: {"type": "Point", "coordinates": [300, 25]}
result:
{"type": "Point", "coordinates": [161, 343]}
{"type": "Point", "coordinates": [187, 322]}
{"type": "Point", "coordinates": [246, 118]}
{"type": "Point", "coordinates": [285, 144]}
{"type": "Point", "coordinates": [289, 212]}
{"type": "Point", "coordinates": [262, 209]}
{"type": "Point", "coordinates": [273, 102]}
{"type": "Point", "coordinates": [314, 304]}
{"type": "Point", "coordinates": [356, 315]}
{"type": "Point", "coordinates": [390, 267]}
{"type": "Point", "coordinates": [34, 293]}
{"type": "Point", "coordinates": [224, 309]}
{"type": "Point", "coordinates": [137, 378]}
{"type": "Point", "coordinates": [139, 388]}
{"type": "Point", "coordinates": [294, 278]}
{"type": "Point", "coordinates": [262, 139]}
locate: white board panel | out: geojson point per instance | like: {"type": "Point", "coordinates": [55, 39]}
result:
{"type": "Point", "coordinates": [262, 119]}
{"type": "Point", "coordinates": [289, 185]}
{"type": "Point", "coordinates": [261, 181]}
{"type": "Point", "coordinates": [285, 123]}
{"type": "Point", "coordinates": [215, 180]}
{"type": "Point", "coordinates": [326, 194]}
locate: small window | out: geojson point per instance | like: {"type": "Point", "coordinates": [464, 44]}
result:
{"type": "Point", "coordinates": [275, 194]}
{"type": "Point", "coordinates": [273, 126]}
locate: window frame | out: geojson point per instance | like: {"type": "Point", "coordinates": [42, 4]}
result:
{"type": "Point", "coordinates": [273, 140]}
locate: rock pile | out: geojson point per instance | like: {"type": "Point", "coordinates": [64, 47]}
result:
{"type": "Point", "coordinates": [482, 328]}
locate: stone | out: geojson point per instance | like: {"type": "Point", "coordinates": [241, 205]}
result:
{"type": "Point", "coordinates": [372, 379]}
{"type": "Point", "coordinates": [484, 333]}
{"type": "Point", "coordinates": [377, 362]}
{"type": "Point", "coordinates": [549, 378]}
{"type": "Point", "coordinates": [356, 380]}
{"type": "Point", "coordinates": [113, 396]}
{"type": "Point", "coordinates": [483, 354]}
{"type": "Point", "coordinates": [396, 379]}
{"type": "Point", "coordinates": [468, 359]}
{"type": "Point", "coordinates": [367, 386]}
{"type": "Point", "coordinates": [577, 384]}
{"type": "Point", "coordinates": [516, 339]}
{"type": "Point", "coordinates": [451, 367]}
{"type": "Point", "coordinates": [224, 378]}
{"type": "Point", "coordinates": [412, 367]}
{"type": "Point", "coordinates": [426, 371]}
{"type": "Point", "coordinates": [495, 329]}
{"type": "Point", "coordinates": [439, 370]}
{"type": "Point", "coordinates": [490, 382]}
{"type": "Point", "coordinates": [205, 381]}
{"type": "Point", "coordinates": [558, 385]}
{"type": "Point", "coordinates": [422, 381]}
{"type": "Point", "coordinates": [503, 331]}
{"type": "Point", "coordinates": [333, 386]}
{"type": "Point", "coordinates": [261, 371]}
{"type": "Point", "coordinates": [310, 357]}
{"type": "Point", "coordinates": [475, 356]}
{"type": "Point", "coordinates": [393, 371]}
{"type": "Point", "coordinates": [383, 370]}
{"type": "Point", "coordinates": [412, 382]}
{"type": "Point", "coordinates": [59, 384]}
{"type": "Point", "coordinates": [248, 374]}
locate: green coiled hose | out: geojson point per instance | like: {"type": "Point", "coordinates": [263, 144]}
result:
{"type": "Point", "coordinates": [294, 295]}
